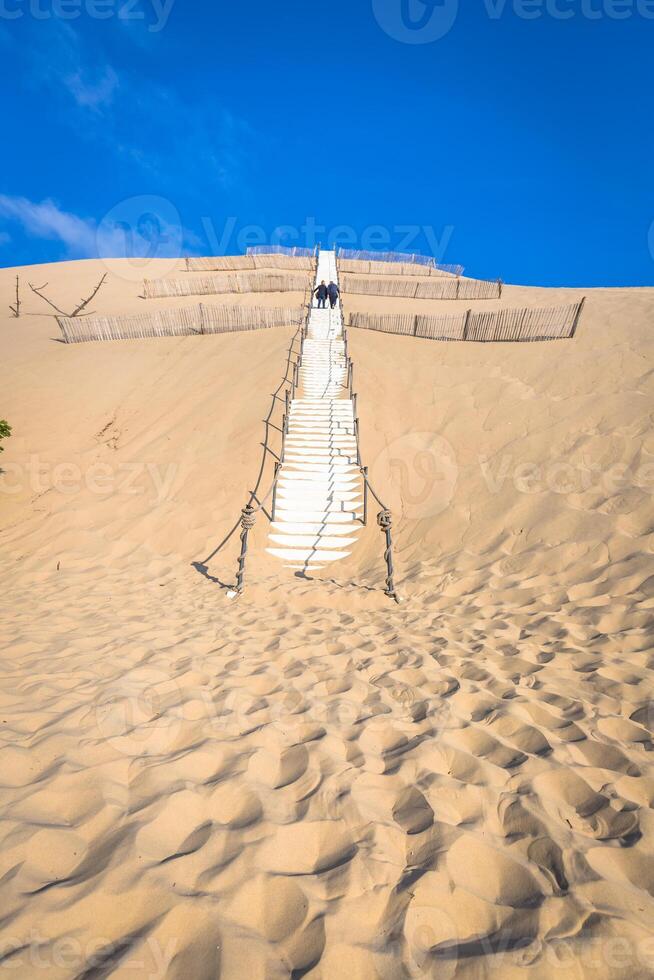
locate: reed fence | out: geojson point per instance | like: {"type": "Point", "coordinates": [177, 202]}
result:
{"type": "Point", "coordinates": [405, 258]}
{"type": "Point", "coordinates": [198, 319]}
{"type": "Point", "coordinates": [365, 268]}
{"type": "Point", "coordinates": [294, 251]}
{"type": "Point", "coordinates": [442, 289]}
{"type": "Point", "coordinates": [239, 283]}
{"type": "Point", "coordinates": [551, 323]}
{"type": "Point", "coordinates": [245, 263]}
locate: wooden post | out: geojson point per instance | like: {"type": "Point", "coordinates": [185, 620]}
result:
{"type": "Point", "coordinates": [465, 326]}
{"type": "Point", "coordinates": [577, 317]}
{"type": "Point", "coordinates": [247, 523]}
{"type": "Point", "coordinates": [274, 500]}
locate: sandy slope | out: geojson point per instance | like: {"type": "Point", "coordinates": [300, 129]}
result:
{"type": "Point", "coordinates": [312, 781]}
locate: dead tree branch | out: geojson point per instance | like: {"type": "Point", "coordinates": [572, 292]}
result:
{"type": "Point", "coordinates": [78, 309]}
{"type": "Point", "coordinates": [86, 301]}
{"type": "Point", "coordinates": [38, 291]}
{"type": "Point", "coordinates": [16, 309]}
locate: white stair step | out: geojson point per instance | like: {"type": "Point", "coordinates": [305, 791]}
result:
{"type": "Point", "coordinates": [307, 554]}
{"type": "Point", "coordinates": [311, 541]}
{"type": "Point", "coordinates": [314, 527]}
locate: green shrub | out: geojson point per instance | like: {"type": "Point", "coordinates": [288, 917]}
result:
{"type": "Point", "coordinates": [5, 431]}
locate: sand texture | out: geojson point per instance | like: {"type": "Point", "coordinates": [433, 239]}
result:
{"type": "Point", "coordinates": [313, 781]}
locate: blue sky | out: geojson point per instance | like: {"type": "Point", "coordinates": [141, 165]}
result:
{"type": "Point", "coordinates": [512, 136]}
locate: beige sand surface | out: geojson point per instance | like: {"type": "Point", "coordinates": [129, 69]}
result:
{"type": "Point", "coordinates": [313, 781]}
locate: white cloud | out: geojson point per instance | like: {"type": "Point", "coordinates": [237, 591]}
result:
{"type": "Point", "coordinates": [47, 220]}
{"type": "Point", "coordinates": [93, 95]}
{"type": "Point", "coordinates": [139, 226]}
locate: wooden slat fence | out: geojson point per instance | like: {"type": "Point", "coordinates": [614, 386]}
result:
{"type": "Point", "coordinates": [293, 250]}
{"type": "Point", "coordinates": [445, 288]}
{"type": "Point", "coordinates": [364, 268]}
{"type": "Point", "coordinates": [238, 263]}
{"type": "Point", "coordinates": [198, 319]}
{"type": "Point", "coordinates": [397, 258]}
{"type": "Point", "coordinates": [256, 282]}
{"type": "Point", "coordinates": [551, 323]}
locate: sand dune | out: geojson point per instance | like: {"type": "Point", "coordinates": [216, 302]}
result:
{"type": "Point", "coordinates": [314, 781]}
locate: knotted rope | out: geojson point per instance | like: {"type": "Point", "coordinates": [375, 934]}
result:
{"type": "Point", "coordinates": [248, 520]}
{"type": "Point", "coordinates": [385, 522]}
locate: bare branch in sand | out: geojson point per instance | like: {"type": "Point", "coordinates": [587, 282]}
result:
{"type": "Point", "coordinates": [78, 309]}
{"type": "Point", "coordinates": [38, 290]}
{"type": "Point", "coordinates": [16, 309]}
{"type": "Point", "coordinates": [86, 302]}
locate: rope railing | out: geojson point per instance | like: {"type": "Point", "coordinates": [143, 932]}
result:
{"type": "Point", "coordinates": [384, 517]}
{"type": "Point", "coordinates": [248, 514]}
{"type": "Point", "coordinates": [247, 517]}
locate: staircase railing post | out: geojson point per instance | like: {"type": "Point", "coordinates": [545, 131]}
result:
{"type": "Point", "coordinates": [385, 521]}
{"type": "Point", "coordinates": [365, 495]}
{"type": "Point", "coordinates": [247, 523]}
{"type": "Point", "coordinates": [274, 500]}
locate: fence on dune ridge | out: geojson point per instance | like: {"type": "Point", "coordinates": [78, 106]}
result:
{"type": "Point", "coordinates": [551, 323]}
{"type": "Point", "coordinates": [293, 251]}
{"type": "Point", "coordinates": [245, 263]}
{"type": "Point", "coordinates": [239, 283]}
{"type": "Point", "coordinates": [361, 255]}
{"type": "Point", "coordinates": [198, 319]}
{"type": "Point", "coordinates": [362, 268]}
{"type": "Point", "coordinates": [442, 289]}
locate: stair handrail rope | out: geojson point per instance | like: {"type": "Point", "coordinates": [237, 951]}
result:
{"type": "Point", "coordinates": [247, 519]}
{"type": "Point", "coordinates": [384, 517]}
{"type": "Point", "coordinates": [244, 521]}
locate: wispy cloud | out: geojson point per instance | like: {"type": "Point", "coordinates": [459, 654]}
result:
{"type": "Point", "coordinates": [139, 226]}
{"type": "Point", "coordinates": [47, 220]}
{"type": "Point", "coordinates": [94, 94]}
{"type": "Point", "coordinates": [137, 119]}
